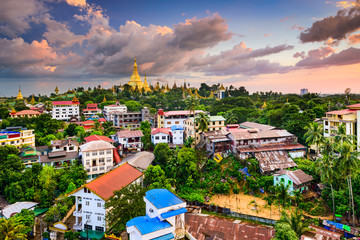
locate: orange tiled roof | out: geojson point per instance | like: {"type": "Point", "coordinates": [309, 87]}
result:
{"type": "Point", "coordinates": [27, 112]}
{"type": "Point", "coordinates": [120, 177]}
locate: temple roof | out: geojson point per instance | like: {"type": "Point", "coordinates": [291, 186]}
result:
{"type": "Point", "coordinates": [135, 80]}
{"type": "Point", "coordinates": [19, 96]}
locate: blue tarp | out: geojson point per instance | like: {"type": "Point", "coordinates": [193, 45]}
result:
{"type": "Point", "coordinates": [245, 171]}
{"type": "Point", "coordinates": [336, 225]}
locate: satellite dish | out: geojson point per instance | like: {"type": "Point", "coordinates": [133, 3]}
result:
{"type": "Point", "coordinates": [347, 91]}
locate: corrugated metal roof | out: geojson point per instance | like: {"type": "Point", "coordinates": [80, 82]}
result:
{"type": "Point", "coordinates": [341, 112]}
{"type": "Point", "coordinates": [274, 160]}
{"type": "Point", "coordinates": [129, 134]}
{"type": "Point", "coordinates": [162, 198]}
{"type": "Point", "coordinates": [97, 137]}
{"type": "Point", "coordinates": [273, 147]}
{"type": "Point", "coordinates": [173, 213]}
{"type": "Point", "coordinates": [248, 134]}
{"type": "Point", "coordinates": [261, 127]}
{"type": "Point", "coordinates": [299, 177]}
{"type": "Point", "coordinates": [147, 225]}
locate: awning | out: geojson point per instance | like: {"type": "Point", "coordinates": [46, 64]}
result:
{"type": "Point", "coordinates": [165, 237]}
{"type": "Point", "coordinates": [91, 234]}
{"type": "Point", "coordinates": [173, 213]}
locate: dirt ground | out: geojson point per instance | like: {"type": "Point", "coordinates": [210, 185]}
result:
{"type": "Point", "coordinates": [245, 204]}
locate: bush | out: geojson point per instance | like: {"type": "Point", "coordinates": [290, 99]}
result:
{"type": "Point", "coordinates": [236, 190]}
{"type": "Point", "coordinates": [306, 206]}
{"type": "Point", "coordinates": [222, 188]}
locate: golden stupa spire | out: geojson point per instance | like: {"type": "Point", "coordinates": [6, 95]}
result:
{"type": "Point", "coordinates": [13, 111]}
{"type": "Point", "coordinates": [113, 89]}
{"type": "Point", "coordinates": [75, 99]}
{"type": "Point", "coordinates": [222, 87]}
{"type": "Point", "coordinates": [264, 105]}
{"type": "Point", "coordinates": [135, 80]}
{"type": "Point", "coordinates": [146, 85]}
{"type": "Point", "coordinates": [19, 96]}
{"type": "Point", "coordinates": [39, 98]}
{"type": "Point", "coordinates": [56, 90]}
{"type": "Point", "coordinates": [211, 94]}
{"type": "Point", "coordinates": [104, 99]}
{"type": "Point", "coordinates": [157, 87]}
{"type": "Point", "coordinates": [32, 101]}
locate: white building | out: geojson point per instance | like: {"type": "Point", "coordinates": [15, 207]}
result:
{"type": "Point", "coordinates": [90, 212]}
{"type": "Point", "coordinates": [177, 134]}
{"type": "Point", "coordinates": [161, 135]}
{"type": "Point", "coordinates": [113, 108]}
{"type": "Point", "coordinates": [165, 217]}
{"type": "Point", "coordinates": [64, 110]}
{"type": "Point", "coordinates": [168, 119]}
{"type": "Point", "coordinates": [128, 140]}
{"type": "Point", "coordinates": [97, 157]}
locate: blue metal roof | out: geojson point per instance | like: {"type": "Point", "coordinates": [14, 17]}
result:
{"type": "Point", "coordinates": [147, 225]}
{"type": "Point", "coordinates": [165, 237]}
{"type": "Point", "coordinates": [162, 198]}
{"type": "Point", "coordinates": [173, 213]}
{"type": "Point", "coordinates": [176, 127]}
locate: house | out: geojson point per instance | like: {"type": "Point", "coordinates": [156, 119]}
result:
{"type": "Point", "coordinates": [130, 119]}
{"type": "Point", "coordinates": [16, 208]}
{"type": "Point", "coordinates": [90, 199]}
{"type": "Point", "coordinates": [67, 145]}
{"type": "Point", "coordinates": [161, 135]}
{"type": "Point", "coordinates": [64, 110]}
{"type": "Point", "coordinates": [88, 125]}
{"type": "Point", "coordinates": [296, 180]}
{"type": "Point", "coordinates": [215, 123]}
{"type": "Point", "coordinates": [177, 134]}
{"type": "Point", "coordinates": [216, 142]}
{"type": "Point", "coordinates": [17, 136]}
{"type": "Point", "coordinates": [91, 109]}
{"type": "Point", "coordinates": [24, 113]}
{"type": "Point", "coordinates": [164, 219]}
{"type": "Point", "coordinates": [168, 119]}
{"type": "Point", "coordinates": [128, 140]}
{"type": "Point", "coordinates": [113, 108]}
{"type": "Point", "coordinates": [97, 157]}
{"type": "Point", "coordinates": [58, 158]}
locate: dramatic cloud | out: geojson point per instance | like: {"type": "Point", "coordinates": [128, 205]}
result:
{"type": "Point", "coordinates": [16, 16]}
{"type": "Point", "coordinates": [322, 58]}
{"type": "Point", "coordinates": [77, 3]}
{"type": "Point", "coordinates": [354, 39]}
{"type": "Point", "coordinates": [300, 55]}
{"type": "Point", "coordinates": [201, 33]}
{"type": "Point", "coordinates": [239, 60]}
{"type": "Point", "coordinates": [337, 27]}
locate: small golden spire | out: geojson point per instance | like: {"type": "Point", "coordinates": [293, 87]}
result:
{"type": "Point", "coordinates": [264, 105]}
{"type": "Point", "coordinates": [174, 86]}
{"type": "Point", "coordinates": [32, 101]}
{"type": "Point", "coordinates": [56, 90]}
{"type": "Point", "coordinates": [75, 99]}
{"type": "Point", "coordinates": [104, 99]}
{"type": "Point", "coordinates": [222, 87]}
{"type": "Point", "coordinates": [19, 96]}
{"type": "Point", "coordinates": [211, 94]}
{"type": "Point", "coordinates": [146, 86]}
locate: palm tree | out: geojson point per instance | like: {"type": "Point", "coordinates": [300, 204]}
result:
{"type": "Point", "coordinates": [341, 135]}
{"type": "Point", "coordinates": [282, 194]}
{"type": "Point", "coordinates": [191, 104]}
{"type": "Point", "coordinates": [230, 117]}
{"type": "Point", "coordinates": [11, 230]}
{"type": "Point", "coordinates": [349, 163]}
{"type": "Point", "coordinates": [314, 135]}
{"type": "Point", "coordinates": [189, 142]}
{"type": "Point", "coordinates": [296, 222]}
{"type": "Point", "coordinates": [269, 198]}
{"type": "Point", "coordinates": [325, 166]}
{"type": "Point", "coordinates": [203, 121]}
{"type": "Point", "coordinates": [297, 197]}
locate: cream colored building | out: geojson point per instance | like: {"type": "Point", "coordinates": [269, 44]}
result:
{"type": "Point", "coordinates": [17, 136]}
{"type": "Point", "coordinates": [97, 157]}
{"type": "Point", "coordinates": [215, 123]}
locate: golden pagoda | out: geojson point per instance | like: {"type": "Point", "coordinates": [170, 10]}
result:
{"type": "Point", "coordinates": [39, 98]}
{"type": "Point", "coordinates": [222, 87]}
{"type": "Point", "coordinates": [56, 90]}
{"type": "Point", "coordinates": [104, 99]}
{"type": "Point", "coordinates": [196, 93]}
{"type": "Point", "coordinates": [167, 87]}
{"type": "Point", "coordinates": [32, 101]}
{"type": "Point", "coordinates": [264, 105]}
{"type": "Point", "coordinates": [157, 87]}
{"type": "Point", "coordinates": [146, 86]}
{"type": "Point", "coordinates": [135, 80]}
{"type": "Point", "coordinates": [19, 96]}
{"type": "Point", "coordinates": [75, 99]}
{"type": "Point", "coordinates": [26, 101]}
{"type": "Point", "coordinates": [13, 111]}
{"type": "Point", "coordinates": [113, 89]}
{"type": "Point", "coordinates": [211, 94]}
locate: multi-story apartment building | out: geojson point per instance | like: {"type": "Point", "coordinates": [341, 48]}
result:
{"type": "Point", "coordinates": [128, 140]}
{"type": "Point", "coordinates": [97, 157]}
{"type": "Point", "coordinates": [130, 119]}
{"type": "Point", "coordinates": [90, 199]}
{"type": "Point", "coordinates": [215, 123]}
{"type": "Point", "coordinates": [108, 110]}
{"type": "Point", "coordinates": [62, 151]}
{"type": "Point", "coordinates": [17, 136]}
{"type": "Point", "coordinates": [64, 110]}
{"type": "Point", "coordinates": [171, 118]}
{"type": "Point", "coordinates": [173, 136]}
{"type": "Point", "coordinates": [91, 109]}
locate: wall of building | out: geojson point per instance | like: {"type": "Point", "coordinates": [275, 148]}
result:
{"type": "Point", "coordinates": [160, 138]}
{"type": "Point", "coordinates": [178, 137]}
{"type": "Point", "coordinates": [65, 112]}
{"type": "Point", "coordinates": [97, 162]}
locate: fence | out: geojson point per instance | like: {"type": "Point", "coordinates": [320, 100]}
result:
{"type": "Point", "coordinates": [228, 212]}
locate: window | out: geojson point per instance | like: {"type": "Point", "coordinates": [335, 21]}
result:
{"type": "Point", "coordinates": [101, 152]}
{"type": "Point", "coordinates": [101, 160]}
{"type": "Point", "coordinates": [100, 229]}
{"type": "Point", "coordinates": [87, 203]}
{"type": "Point", "coordinates": [108, 151]}
{"type": "Point", "coordinates": [163, 137]}
{"type": "Point", "coordinates": [99, 218]}
{"type": "Point", "coordinates": [94, 153]}
{"type": "Point", "coordinates": [98, 204]}
{"type": "Point", "coordinates": [87, 154]}
{"type": "Point", "coordinates": [88, 216]}
{"type": "Point", "coordinates": [108, 159]}
{"type": "Point", "coordinates": [71, 148]}
{"type": "Point", "coordinates": [89, 227]}
{"type": "Point", "coordinates": [87, 163]}
{"type": "Point", "coordinates": [157, 137]}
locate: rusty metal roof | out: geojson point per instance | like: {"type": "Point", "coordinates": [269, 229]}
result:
{"type": "Point", "coordinates": [261, 127]}
{"type": "Point", "coordinates": [208, 227]}
{"type": "Point", "coordinates": [297, 176]}
{"type": "Point", "coordinates": [272, 147]}
{"type": "Point", "coordinates": [274, 160]}
{"type": "Point", "coordinates": [249, 134]}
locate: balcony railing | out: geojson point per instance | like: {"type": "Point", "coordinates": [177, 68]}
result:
{"type": "Point", "coordinates": [78, 226]}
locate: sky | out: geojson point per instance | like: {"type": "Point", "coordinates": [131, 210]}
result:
{"type": "Point", "coordinates": [278, 45]}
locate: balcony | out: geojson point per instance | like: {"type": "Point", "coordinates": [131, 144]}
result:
{"type": "Point", "coordinates": [77, 213]}
{"type": "Point", "coordinates": [77, 226]}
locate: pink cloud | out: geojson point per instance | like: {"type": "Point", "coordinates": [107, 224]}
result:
{"type": "Point", "coordinates": [297, 27]}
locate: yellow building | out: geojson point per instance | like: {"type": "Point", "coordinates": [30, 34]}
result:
{"type": "Point", "coordinates": [135, 80]}
{"type": "Point", "coordinates": [17, 137]}
{"type": "Point", "coordinates": [215, 123]}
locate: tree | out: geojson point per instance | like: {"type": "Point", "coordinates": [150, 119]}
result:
{"type": "Point", "coordinates": [230, 117]}
{"type": "Point", "coordinates": [70, 129]}
{"type": "Point", "coordinates": [12, 230]}
{"type": "Point", "coordinates": [349, 163]}
{"type": "Point", "coordinates": [155, 177]}
{"type": "Point", "coordinates": [162, 153]}
{"type": "Point", "coordinates": [282, 194]}
{"type": "Point", "coordinates": [133, 106]}
{"type": "Point", "coordinates": [146, 131]}
{"type": "Point", "coordinates": [189, 142]}
{"type": "Point", "coordinates": [124, 205]}
{"type": "Point", "coordinates": [27, 218]}
{"type": "Point", "coordinates": [284, 232]}
{"type": "Point", "coordinates": [297, 197]}
{"type": "Point", "coordinates": [314, 135]}
{"type": "Point", "coordinates": [296, 222]}
{"type": "Point", "coordinates": [202, 120]}
{"type": "Point", "coordinates": [191, 104]}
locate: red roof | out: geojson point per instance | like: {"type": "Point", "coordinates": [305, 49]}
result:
{"type": "Point", "coordinates": [65, 103]}
{"type": "Point", "coordinates": [89, 122]}
{"type": "Point", "coordinates": [161, 130]}
{"type": "Point", "coordinates": [91, 109]}
{"type": "Point", "coordinates": [101, 120]}
{"type": "Point", "coordinates": [354, 106]}
{"type": "Point", "coordinates": [120, 177]}
{"type": "Point", "coordinates": [184, 112]}
{"type": "Point", "coordinates": [97, 137]}
{"type": "Point", "coordinates": [26, 112]}
{"type": "Point", "coordinates": [342, 112]}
